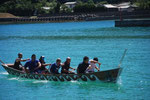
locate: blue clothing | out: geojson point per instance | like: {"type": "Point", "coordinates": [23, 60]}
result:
{"type": "Point", "coordinates": [54, 68]}
{"type": "Point", "coordinates": [32, 65]}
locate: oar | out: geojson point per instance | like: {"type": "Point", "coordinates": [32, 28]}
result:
{"type": "Point", "coordinates": [2, 62]}
{"type": "Point", "coordinates": [99, 67]}
{"type": "Point", "coordinates": [122, 57]}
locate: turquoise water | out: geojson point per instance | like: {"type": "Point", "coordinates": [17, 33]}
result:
{"type": "Point", "coordinates": [77, 39]}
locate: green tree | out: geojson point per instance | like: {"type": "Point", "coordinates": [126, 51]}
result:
{"type": "Point", "coordinates": [79, 2]}
{"type": "Point", "coordinates": [52, 6]}
{"type": "Point", "coordinates": [20, 7]}
{"type": "Point", "coordinates": [65, 9]}
{"type": "Point", "coordinates": [88, 6]}
{"type": "Point", "coordinates": [143, 4]}
{"type": "Point", "coordinates": [57, 8]}
{"type": "Point", "coordinates": [90, 2]}
{"type": "Point", "coordinates": [102, 2]}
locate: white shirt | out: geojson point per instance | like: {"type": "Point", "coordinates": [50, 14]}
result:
{"type": "Point", "coordinates": [92, 65]}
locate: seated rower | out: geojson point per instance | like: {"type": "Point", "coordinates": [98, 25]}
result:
{"type": "Point", "coordinates": [93, 65]}
{"type": "Point", "coordinates": [33, 65]}
{"type": "Point", "coordinates": [17, 64]}
{"type": "Point", "coordinates": [55, 67]}
{"type": "Point", "coordinates": [66, 66]}
{"type": "Point", "coordinates": [83, 66]}
{"type": "Point", "coordinates": [43, 68]}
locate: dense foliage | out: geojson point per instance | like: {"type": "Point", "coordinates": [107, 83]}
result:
{"type": "Point", "coordinates": [143, 4]}
{"type": "Point", "coordinates": [89, 6]}
{"type": "Point", "coordinates": [36, 7]}
{"type": "Point", "coordinates": [29, 7]}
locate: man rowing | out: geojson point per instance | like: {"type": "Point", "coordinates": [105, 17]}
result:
{"type": "Point", "coordinates": [83, 66]}
{"type": "Point", "coordinates": [66, 66]}
{"type": "Point", "coordinates": [33, 65]}
{"type": "Point", "coordinates": [55, 67]}
{"type": "Point", "coordinates": [17, 64]}
{"type": "Point", "coordinates": [93, 65]}
{"type": "Point", "coordinates": [43, 68]}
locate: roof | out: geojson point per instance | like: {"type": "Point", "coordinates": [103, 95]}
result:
{"type": "Point", "coordinates": [46, 8]}
{"type": "Point", "coordinates": [121, 5]}
{"type": "Point", "coordinates": [70, 3]}
{"type": "Point", "coordinates": [124, 7]}
{"type": "Point", "coordinates": [124, 4]}
{"type": "Point", "coordinates": [109, 6]}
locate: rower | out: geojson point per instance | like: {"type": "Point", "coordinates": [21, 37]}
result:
{"type": "Point", "coordinates": [66, 66]}
{"type": "Point", "coordinates": [93, 65]}
{"type": "Point", "coordinates": [55, 67]}
{"type": "Point", "coordinates": [43, 68]}
{"type": "Point", "coordinates": [17, 64]}
{"type": "Point", "coordinates": [83, 66]}
{"type": "Point", "coordinates": [33, 65]}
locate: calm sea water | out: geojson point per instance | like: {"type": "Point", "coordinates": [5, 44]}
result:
{"type": "Point", "coordinates": [77, 39]}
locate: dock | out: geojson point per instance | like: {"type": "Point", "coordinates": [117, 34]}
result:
{"type": "Point", "coordinates": [133, 23]}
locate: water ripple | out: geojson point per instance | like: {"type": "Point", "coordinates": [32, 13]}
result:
{"type": "Point", "coordinates": [74, 37]}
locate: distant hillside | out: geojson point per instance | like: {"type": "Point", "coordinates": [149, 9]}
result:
{"type": "Point", "coordinates": [41, 7]}
{"type": "Point", "coordinates": [63, 1]}
{"type": "Point", "coordinates": [109, 1]}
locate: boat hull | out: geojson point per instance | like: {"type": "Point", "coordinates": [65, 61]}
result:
{"type": "Point", "coordinates": [104, 76]}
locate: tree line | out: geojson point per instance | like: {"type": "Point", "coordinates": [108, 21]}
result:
{"type": "Point", "coordinates": [35, 7]}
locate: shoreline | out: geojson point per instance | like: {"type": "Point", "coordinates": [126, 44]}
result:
{"type": "Point", "coordinates": [78, 17]}
{"type": "Point", "coordinates": [133, 23]}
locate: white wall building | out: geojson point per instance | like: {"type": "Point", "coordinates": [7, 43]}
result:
{"type": "Point", "coordinates": [121, 7]}
{"type": "Point", "coordinates": [70, 4]}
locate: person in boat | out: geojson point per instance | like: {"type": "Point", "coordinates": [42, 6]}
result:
{"type": "Point", "coordinates": [66, 66]}
{"type": "Point", "coordinates": [17, 64]}
{"type": "Point", "coordinates": [55, 67]}
{"type": "Point", "coordinates": [83, 66]}
{"type": "Point", "coordinates": [43, 68]}
{"type": "Point", "coordinates": [93, 65]}
{"type": "Point", "coordinates": [33, 65]}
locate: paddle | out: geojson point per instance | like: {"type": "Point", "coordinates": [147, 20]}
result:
{"type": "Point", "coordinates": [99, 67]}
{"type": "Point", "coordinates": [2, 61]}
{"type": "Point", "coordinates": [122, 57]}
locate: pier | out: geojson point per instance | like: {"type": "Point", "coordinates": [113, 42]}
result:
{"type": "Point", "coordinates": [39, 19]}
{"type": "Point", "coordinates": [78, 17]}
{"type": "Point", "coordinates": [133, 23]}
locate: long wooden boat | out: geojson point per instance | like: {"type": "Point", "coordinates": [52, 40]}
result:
{"type": "Point", "coordinates": [105, 76]}
{"type": "Point", "coordinates": [111, 75]}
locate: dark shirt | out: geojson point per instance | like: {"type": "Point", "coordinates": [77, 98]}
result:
{"type": "Point", "coordinates": [42, 67]}
{"type": "Point", "coordinates": [82, 67]}
{"type": "Point", "coordinates": [17, 65]}
{"type": "Point", "coordinates": [66, 66]}
{"type": "Point", "coordinates": [32, 65]}
{"type": "Point", "coordinates": [54, 68]}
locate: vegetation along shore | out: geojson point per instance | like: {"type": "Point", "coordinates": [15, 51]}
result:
{"type": "Point", "coordinates": [21, 11]}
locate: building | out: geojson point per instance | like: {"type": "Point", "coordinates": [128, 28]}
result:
{"type": "Point", "coordinates": [46, 8]}
{"type": "Point", "coordinates": [111, 7]}
{"type": "Point", "coordinates": [70, 4]}
{"type": "Point", "coordinates": [120, 7]}
{"type": "Point", "coordinates": [126, 6]}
